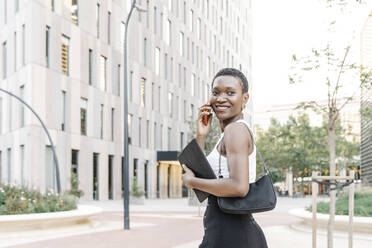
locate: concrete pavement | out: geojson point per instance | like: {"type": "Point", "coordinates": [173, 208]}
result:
{"type": "Point", "coordinates": [172, 223]}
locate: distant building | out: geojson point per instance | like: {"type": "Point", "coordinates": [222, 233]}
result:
{"type": "Point", "coordinates": [366, 100]}
{"type": "Point", "coordinates": [349, 116]}
{"type": "Point", "coordinates": [65, 58]}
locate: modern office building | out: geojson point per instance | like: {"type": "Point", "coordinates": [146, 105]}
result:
{"type": "Point", "coordinates": [366, 101]}
{"type": "Point", "coordinates": [65, 59]}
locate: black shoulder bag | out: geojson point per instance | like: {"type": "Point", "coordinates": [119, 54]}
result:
{"type": "Point", "coordinates": [261, 195]}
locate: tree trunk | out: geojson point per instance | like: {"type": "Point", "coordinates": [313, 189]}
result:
{"type": "Point", "coordinates": [332, 165]}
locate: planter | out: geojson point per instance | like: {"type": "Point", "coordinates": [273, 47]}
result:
{"type": "Point", "coordinates": [24, 222]}
{"type": "Point", "coordinates": [360, 224]}
{"type": "Point", "coordinates": [137, 200]}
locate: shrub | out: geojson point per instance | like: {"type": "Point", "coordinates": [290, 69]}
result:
{"type": "Point", "coordinates": [20, 200]}
{"type": "Point", "coordinates": [136, 189]}
{"type": "Point", "coordinates": [362, 205]}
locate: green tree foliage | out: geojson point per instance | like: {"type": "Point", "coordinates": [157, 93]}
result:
{"type": "Point", "coordinates": [300, 147]}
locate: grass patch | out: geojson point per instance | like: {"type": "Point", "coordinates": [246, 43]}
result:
{"type": "Point", "coordinates": [362, 205]}
{"type": "Point", "coordinates": [20, 200]}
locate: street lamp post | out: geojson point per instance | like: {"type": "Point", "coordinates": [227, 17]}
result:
{"type": "Point", "coordinates": [126, 150]}
{"type": "Point", "coordinates": [58, 182]}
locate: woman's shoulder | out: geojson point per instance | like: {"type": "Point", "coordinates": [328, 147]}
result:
{"type": "Point", "coordinates": [238, 134]}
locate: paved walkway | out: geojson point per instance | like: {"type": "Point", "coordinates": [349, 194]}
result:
{"type": "Point", "coordinates": [170, 223]}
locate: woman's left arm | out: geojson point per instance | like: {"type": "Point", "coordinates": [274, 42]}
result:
{"type": "Point", "coordinates": [238, 144]}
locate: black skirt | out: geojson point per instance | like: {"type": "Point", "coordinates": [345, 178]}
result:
{"type": "Point", "coordinates": [222, 230]}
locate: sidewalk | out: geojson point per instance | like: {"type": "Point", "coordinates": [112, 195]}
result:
{"type": "Point", "coordinates": [172, 223]}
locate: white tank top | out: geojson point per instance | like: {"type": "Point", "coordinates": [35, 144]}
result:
{"type": "Point", "coordinates": [213, 159]}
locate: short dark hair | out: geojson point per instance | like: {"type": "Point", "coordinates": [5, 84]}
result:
{"type": "Point", "coordinates": [236, 74]}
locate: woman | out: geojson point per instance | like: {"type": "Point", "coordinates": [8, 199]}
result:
{"type": "Point", "coordinates": [228, 99]}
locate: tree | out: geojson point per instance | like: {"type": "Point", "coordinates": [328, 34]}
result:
{"type": "Point", "coordinates": [336, 72]}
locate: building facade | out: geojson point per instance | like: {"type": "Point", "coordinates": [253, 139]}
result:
{"type": "Point", "coordinates": [366, 101]}
{"type": "Point", "coordinates": [65, 59]}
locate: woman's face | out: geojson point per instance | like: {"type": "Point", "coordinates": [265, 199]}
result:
{"type": "Point", "coordinates": [227, 97]}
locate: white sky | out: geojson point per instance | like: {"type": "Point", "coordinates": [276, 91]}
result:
{"type": "Point", "coordinates": [286, 27]}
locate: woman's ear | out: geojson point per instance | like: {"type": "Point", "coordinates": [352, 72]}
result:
{"type": "Point", "coordinates": [245, 97]}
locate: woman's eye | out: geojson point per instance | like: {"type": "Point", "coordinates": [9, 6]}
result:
{"type": "Point", "coordinates": [215, 93]}
{"type": "Point", "coordinates": [230, 93]}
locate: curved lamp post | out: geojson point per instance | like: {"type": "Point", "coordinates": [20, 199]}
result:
{"type": "Point", "coordinates": [126, 150]}
{"type": "Point", "coordinates": [50, 139]}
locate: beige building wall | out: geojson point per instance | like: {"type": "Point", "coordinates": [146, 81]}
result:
{"type": "Point", "coordinates": [216, 34]}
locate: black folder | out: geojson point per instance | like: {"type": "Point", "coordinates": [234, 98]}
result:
{"type": "Point", "coordinates": [193, 157]}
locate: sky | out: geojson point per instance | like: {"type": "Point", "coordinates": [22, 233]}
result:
{"type": "Point", "coordinates": [286, 27]}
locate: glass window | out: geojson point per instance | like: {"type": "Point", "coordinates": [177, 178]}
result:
{"type": "Point", "coordinates": [198, 29]}
{"type": "Point", "coordinates": [22, 106]}
{"type": "Point", "coordinates": [145, 52]}
{"type": "Point", "coordinates": [170, 104]}
{"type": "Point", "coordinates": [167, 32]}
{"type": "Point", "coordinates": [112, 123]}
{"type": "Point", "coordinates": [166, 66]}
{"type": "Point", "coordinates": [139, 131]}
{"type": "Point", "coordinates": [90, 69]}
{"type": "Point", "coordinates": [65, 55]}
{"type": "Point", "coordinates": [152, 95]}
{"type": "Point", "coordinates": [155, 20]}
{"type": "Point", "coordinates": [193, 84]}
{"type": "Point", "coordinates": [23, 44]}
{"type": "Point", "coordinates": [101, 121]}
{"type": "Point", "coordinates": [147, 134]}
{"type": "Point", "coordinates": [169, 138]}
{"type": "Point", "coordinates": [97, 20]}
{"type": "Point", "coordinates": [15, 51]}
{"type": "Point", "coordinates": [157, 61]}
{"type": "Point", "coordinates": [74, 12]}
{"type": "Point", "coordinates": [47, 45]}
{"type": "Point", "coordinates": [83, 116]}
{"type": "Point", "coordinates": [109, 27]}
{"type": "Point", "coordinates": [63, 124]}
{"type": "Point", "coordinates": [181, 44]}
{"type": "Point", "coordinates": [4, 60]}
{"type": "Point", "coordinates": [122, 33]}
{"type": "Point", "coordinates": [143, 92]}
{"type": "Point", "coordinates": [103, 72]}
{"type": "Point", "coordinates": [191, 18]}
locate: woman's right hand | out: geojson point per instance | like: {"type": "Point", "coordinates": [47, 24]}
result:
{"type": "Point", "coordinates": [201, 129]}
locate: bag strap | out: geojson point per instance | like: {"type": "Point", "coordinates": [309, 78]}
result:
{"type": "Point", "coordinates": [264, 168]}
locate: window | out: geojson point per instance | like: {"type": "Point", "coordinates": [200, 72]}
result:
{"type": "Point", "coordinates": [110, 177]}
{"type": "Point", "coordinates": [155, 136]}
{"type": "Point", "coordinates": [155, 19]}
{"type": "Point", "coordinates": [198, 29]}
{"type": "Point", "coordinates": [5, 10]}
{"type": "Point", "coordinates": [90, 69]}
{"type": "Point", "coordinates": [159, 99]}
{"type": "Point", "coordinates": [147, 134]}
{"type": "Point", "coordinates": [139, 2]}
{"type": "Point", "coordinates": [161, 137]}
{"type": "Point", "coordinates": [108, 27]}
{"type": "Point", "coordinates": [139, 131]}
{"type": "Point", "coordinates": [179, 75]}
{"type": "Point", "coordinates": [103, 66]}
{"type": "Point", "coordinates": [143, 92]}
{"type": "Point", "coordinates": [49, 169]}
{"type": "Point", "coordinates": [192, 112]}
{"type": "Point", "coordinates": [97, 20]}
{"type": "Point", "coordinates": [157, 61]}
{"type": "Point", "coordinates": [152, 96]}
{"type": "Point", "coordinates": [170, 104]}
{"type": "Point", "coordinates": [9, 151]}
{"type": "Point", "coordinates": [184, 77]}
{"type": "Point", "coordinates": [101, 121]}
{"type": "Point", "coordinates": [171, 70]}
{"type": "Point", "coordinates": [130, 88]}
{"type": "Point", "coordinates": [83, 116]}
{"type": "Point", "coordinates": [181, 44]}
{"type": "Point", "coordinates": [181, 140]}
{"type": "Point", "coordinates": [47, 45]}
{"type": "Point", "coordinates": [75, 163]}
{"type": "Point", "coordinates": [208, 66]}
{"type": "Point", "coordinates": [166, 66]}
{"type": "Point", "coordinates": [135, 167]}
{"type": "Point", "coordinates": [161, 26]}
{"type": "Point", "coordinates": [22, 151]}
{"type": "Point", "coordinates": [184, 110]}
{"type": "Point", "coordinates": [16, 2]}
{"type": "Point", "coordinates": [22, 106]}
{"type": "Point", "coordinates": [191, 18]}
{"type": "Point", "coordinates": [23, 44]}
{"type": "Point", "coordinates": [15, 52]}
{"type": "Point", "coordinates": [169, 138]}
{"type": "Point", "coordinates": [122, 33]}
{"type": "Point", "coordinates": [95, 176]}
{"type": "Point", "coordinates": [170, 8]}
{"type": "Point", "coordinates": [130, 117]}
{"type": "Point", "coordinates": [65, 55]}
{"type": "Point", "coordinates": [52, 4]}
{"type": "Point", "coordinates": [10, 114]}
{"type": "Point", "coordinates": [193, 84]}
{"type": "Point", "coordinates": [74, 12]}
{"type": "Point", "coordinates": [112, 123]}
{"type": "Point", "coordinates": [167, 33]}
{"type": "Point", "coordinates": [63, 124]}
{"type": "Point", "coordinates": [118, 81]}
{"type": "Point", "coordinates": [147, 14]}
{"type": "Point", "coordinates": [145, 52]}
{"type": "Point", "coordinates": [184, 12]}
{"type": "Point", "coordinates": [4, 60]}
